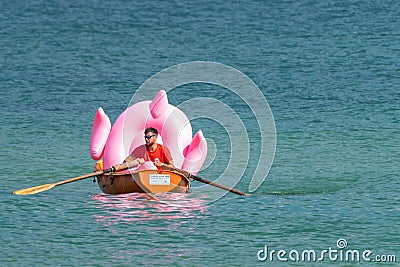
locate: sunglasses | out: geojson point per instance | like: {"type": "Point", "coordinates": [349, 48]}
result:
{"type": "Point", "coordinates": [148, 136]}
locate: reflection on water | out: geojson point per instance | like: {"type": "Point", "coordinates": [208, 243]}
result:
{"type": "Point", "coordinates": [114, 209]}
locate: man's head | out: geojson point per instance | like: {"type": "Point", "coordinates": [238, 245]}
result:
{"type": "Point", "coordinates": [150, 135]}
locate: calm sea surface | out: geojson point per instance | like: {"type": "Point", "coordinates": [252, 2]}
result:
{"type": "Point", "coordinates": [330, 71]}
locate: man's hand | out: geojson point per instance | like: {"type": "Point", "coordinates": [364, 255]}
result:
{"type": "Point", "coordinates": [158, 163]}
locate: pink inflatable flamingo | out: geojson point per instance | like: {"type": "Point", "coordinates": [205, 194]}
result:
{"type": "Point", "coordinates": [115, 143]}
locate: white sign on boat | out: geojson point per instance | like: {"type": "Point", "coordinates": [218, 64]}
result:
{"type": "Point", "coordinates": [160, 179]}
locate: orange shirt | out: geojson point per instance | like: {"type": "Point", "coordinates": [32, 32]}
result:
{"type": "Point", "coordinates": [161, 152]}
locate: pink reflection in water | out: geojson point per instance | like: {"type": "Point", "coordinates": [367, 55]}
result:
{"type": "Point", "coordinates": [144, 207]}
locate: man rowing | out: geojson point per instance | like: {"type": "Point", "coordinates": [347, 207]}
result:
{"type": "Point", "coordinates": [152, 151]}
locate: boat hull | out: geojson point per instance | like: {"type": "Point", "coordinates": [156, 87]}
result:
{"type": "Point", "coordinates": [145, 181]}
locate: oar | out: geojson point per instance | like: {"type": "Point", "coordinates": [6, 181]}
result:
{"type": "Point", "coordinates": [41, 188]}
{"type": "Point", "coordinates": [189, 175]}
{"type": "Point", "coordinates": [217, 185]}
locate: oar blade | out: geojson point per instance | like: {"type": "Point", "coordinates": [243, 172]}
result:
{"type": "Point", "coordinates": [34, 190]}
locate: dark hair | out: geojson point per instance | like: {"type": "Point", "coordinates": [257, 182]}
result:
{"type": "Point", "coordinates": [151, 130]}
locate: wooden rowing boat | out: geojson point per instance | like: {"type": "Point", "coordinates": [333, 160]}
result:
{"type": "Point", "coordinates": [115, 181]}
{"type": "Point", "coordinates": [144, 181]}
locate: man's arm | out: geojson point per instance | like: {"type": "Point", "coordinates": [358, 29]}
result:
{"type": "Point", "coordinates": [167, 155]}
{"type": "Point", "coordinates": [132, 158]}
{"type": "Point", "coordinates": [160, 164]}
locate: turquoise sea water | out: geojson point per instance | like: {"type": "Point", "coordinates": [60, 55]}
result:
{"type": "Point", "coordinates": [329, 70]}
